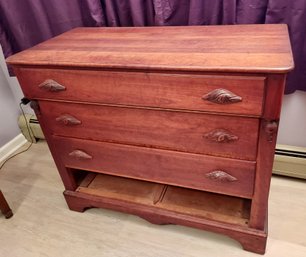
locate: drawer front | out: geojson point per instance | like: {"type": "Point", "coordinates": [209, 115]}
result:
{"type": "Point", "coordinates": [215, 174]}
{"type": "Point", "coordinates": [226, 94]}
{"type": "Point", "coordinates": [225, 136]}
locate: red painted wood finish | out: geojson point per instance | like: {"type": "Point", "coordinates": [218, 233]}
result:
{"type": "Point", "coordinates": [157, 94]}
{"type": "Point", "coordinates": [178, 91]}
{"type": "Point", "coordinates": [266, 149]}
{"type": "Point", "coordinates": [182, 131]}
{"type": "Point", "coordinates": [244, 48]}
{"type": "Point", "coordinates": [169, 167]}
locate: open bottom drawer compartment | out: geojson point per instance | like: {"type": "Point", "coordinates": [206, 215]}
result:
{"type": "Point", "coordinates": [193, 203]}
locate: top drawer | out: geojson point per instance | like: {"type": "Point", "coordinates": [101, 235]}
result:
{"type": "Point", "coordinates": [214, 93]}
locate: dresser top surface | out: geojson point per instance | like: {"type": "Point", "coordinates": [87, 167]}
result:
{"type": "Point", "coordinates": [230, 48]}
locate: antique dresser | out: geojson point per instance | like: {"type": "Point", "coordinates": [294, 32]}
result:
{"type": "Point", "coordinates": [174, 124]}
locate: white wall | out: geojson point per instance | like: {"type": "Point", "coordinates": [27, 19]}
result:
{"type": "Point", "coordinates": [9, 110]}
{"type": "Point", "coordinates": [292, 128]}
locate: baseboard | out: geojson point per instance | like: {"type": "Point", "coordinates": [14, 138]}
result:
{"type": "Point", "coordinates": [290, 161]}
{"type": "Point", "coordinates": [12, 146]}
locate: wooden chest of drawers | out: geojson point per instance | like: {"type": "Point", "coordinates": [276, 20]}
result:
{"type": "Point", "coordinates": [174, 124]}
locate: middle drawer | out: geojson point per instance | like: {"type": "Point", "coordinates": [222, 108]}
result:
{"type": "Point", "coordinates": [233, 137]}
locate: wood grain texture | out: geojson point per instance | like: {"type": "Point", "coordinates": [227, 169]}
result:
{"type": "Point", "coordinates": [163, 90]}
{"type": "Point", "coordinates": [145, 91]}
{"type": "Point", "coordinates": [266, 150]}
{"type": "Point", "coordinates": [66, 176]}
{"type": "Point", "coordinates": [250, 239]}
{"type": "Point", "coordinates": [34, 192]}
{"type": "Point", "coordinates": [162, 166]}
{"type": "Point", "coordinates": [129, 190]}
{"type": "Point", "coordinates": [193, 202]}
{"type": "Point", "coordinates": [180, 131]}
{"type": "Point", "coordinates": [261, 48]}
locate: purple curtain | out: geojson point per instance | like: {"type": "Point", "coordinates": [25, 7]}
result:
{"type": "Point", "coordinates": [28, 22]}
{"type": "Point", "coordinates": [24, 23]}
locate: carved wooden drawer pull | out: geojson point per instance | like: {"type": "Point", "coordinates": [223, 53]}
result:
{"type": "Point", "coordinates": [68, 120]}
{"type": "Point", "coordinates": [79, 154]}
{"type": "Point", "coordinates": [271, 129]}
{"type": "Point", "coordinates": [51, 86]}
{"type": "Point", "coordinates": [221, 136]}
{"type": "Point", "coordinates": [222, 96]}
{"type": "Point", "coordinates": [221, 176]}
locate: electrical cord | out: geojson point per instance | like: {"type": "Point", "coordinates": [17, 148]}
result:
{"type": "Point", "coordinates": [31, 134]}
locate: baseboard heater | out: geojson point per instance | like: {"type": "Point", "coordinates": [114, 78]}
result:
{"type": "Point", "coordinates": [30, 128]}
{"type": "Point", "coordinates": [290, 161]}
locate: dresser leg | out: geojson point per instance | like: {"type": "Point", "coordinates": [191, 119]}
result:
{"type": "Point", "coordinates": [76, 204]}
{"type": "Point", "coordinates": [252, 244]}
{"type": "Point", "coordinates": [256, 247]}
{"type": "Point", "coordinates": [4, 207]}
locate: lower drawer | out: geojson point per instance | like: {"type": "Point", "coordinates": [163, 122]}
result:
{"type": "Point", "coordinates": [209, 173]}
{"type": "Point", "coordinates": [142, 194]}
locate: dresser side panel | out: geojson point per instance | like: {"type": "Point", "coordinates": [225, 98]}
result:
{"type": "Point", "coordinates": [266, 150]}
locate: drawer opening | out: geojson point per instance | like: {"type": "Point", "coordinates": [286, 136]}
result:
{"type": "Point", "coordinates": [200, 204]}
